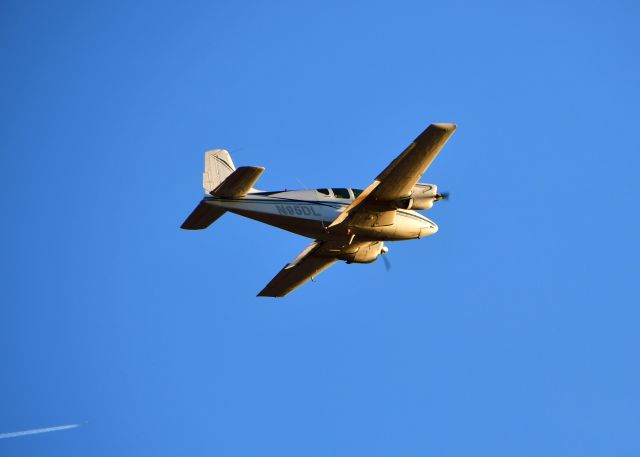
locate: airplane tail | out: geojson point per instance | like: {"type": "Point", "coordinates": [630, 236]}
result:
{"type": "Point", "coordinates": [220, 179]}
{"type": "Point", "coordinates": [202, 217]}
{"type": "Point", "coordinates": [217, 166]}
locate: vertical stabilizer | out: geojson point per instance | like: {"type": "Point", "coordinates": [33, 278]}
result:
{"type": "Point", "coordinates": [217, 166]}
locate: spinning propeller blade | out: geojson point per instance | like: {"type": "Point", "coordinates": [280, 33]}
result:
{"type": "Point", "coordinates": [387, 263]}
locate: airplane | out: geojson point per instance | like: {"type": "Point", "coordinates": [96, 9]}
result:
{"type": "Point", "coordinates": [345, 223]}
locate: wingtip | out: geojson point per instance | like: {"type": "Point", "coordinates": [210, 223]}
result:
{"type": "Point", "coordinates": [445, 126]}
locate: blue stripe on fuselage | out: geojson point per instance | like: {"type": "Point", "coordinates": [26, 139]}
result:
{"type": "Point", "coordinates": [279, 200]}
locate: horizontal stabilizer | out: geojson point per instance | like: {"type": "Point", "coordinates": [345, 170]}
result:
{"type": "Point", "coordinates": [238, 183]}
{"type": "Point", "coordinates": [202, 217]}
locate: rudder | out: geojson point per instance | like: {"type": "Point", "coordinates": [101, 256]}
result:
{"type": "Point", "coordinates": [217, 166]}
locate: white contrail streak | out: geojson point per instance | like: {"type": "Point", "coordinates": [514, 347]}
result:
{"type": "Point", "coordinates": [37, 430]}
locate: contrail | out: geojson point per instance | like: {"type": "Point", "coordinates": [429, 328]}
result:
{"type": "Point", "coordinates": [37, 430]}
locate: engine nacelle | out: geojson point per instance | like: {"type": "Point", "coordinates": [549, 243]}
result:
{"type": "Point", "coordinates": [364, 254]}
{"type": "Point", "coordinates": [422, 197]}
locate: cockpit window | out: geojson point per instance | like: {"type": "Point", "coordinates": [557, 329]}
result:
{"type": "Point", "coordinates": [356, 192]}
{"type": "Point", "coordinates": [341, 192]}
{"type": "Point", "coordinates": [323, 191]}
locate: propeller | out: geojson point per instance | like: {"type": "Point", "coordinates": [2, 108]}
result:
{"type": "Point", "coordinates": [442, 196]}
{"type": "Point", "coordinates": [387, 262]}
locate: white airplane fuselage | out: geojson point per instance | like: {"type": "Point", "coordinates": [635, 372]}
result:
{"type": "Point", "coordinates": [310, 212]}
{"type": "Point", "coordinates": [346, 224]}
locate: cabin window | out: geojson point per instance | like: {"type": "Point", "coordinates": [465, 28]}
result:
{"type": "Point", "coordinates": [356, 192]}
{"type": "Point", "coordinates": [323, 192]}
{"type": "Point", "coordinates": [341, 193]}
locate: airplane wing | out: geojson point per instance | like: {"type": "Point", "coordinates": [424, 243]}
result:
{"type": "Point", "coordinates": [312, 261]}
{"type": "Point", "coordinates": [397, 180]}
{"type": "Point", "coordinates": [316, 258]}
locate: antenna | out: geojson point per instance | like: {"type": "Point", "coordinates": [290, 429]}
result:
{"type": "Point", "coordinates": [304, 186]}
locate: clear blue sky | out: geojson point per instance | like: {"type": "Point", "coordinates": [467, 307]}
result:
{"type": "Point", "coordinates": [511, 332]}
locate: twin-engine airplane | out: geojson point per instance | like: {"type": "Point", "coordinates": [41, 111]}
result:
{"type": "Point", "coordinates": [346, 224]}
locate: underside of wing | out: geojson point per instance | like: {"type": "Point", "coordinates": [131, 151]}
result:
{"type": "Point", "coordinates": [398, 179]}
{"type": "Point", "coordinates": [316, 258]}
{"type": "Point", "coordinates": [311, 262]}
